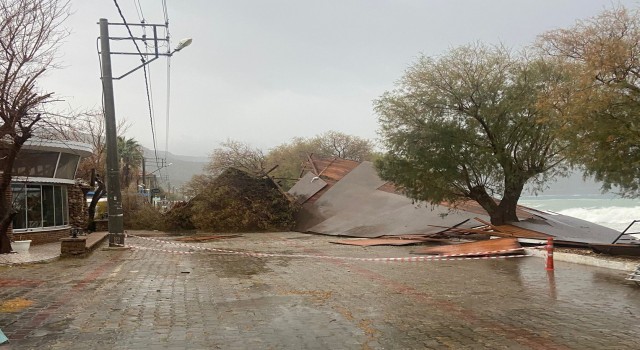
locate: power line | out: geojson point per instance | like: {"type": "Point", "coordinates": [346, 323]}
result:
{"type": "Point", "coordinates": [166, 13]}
{"type": "Point", "coordinates": [129, 30]}
{"type": "Point", "coordinates": [136, 4]}
{"type": "Point", "coordinates": [168, 98]}
{"type": "Point", "coordinates": [166, 140]}
{"type": "Point", "coordinates": [146, 80]}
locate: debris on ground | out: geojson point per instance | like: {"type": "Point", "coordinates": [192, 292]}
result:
{"type": "Point", "coordinates": [635, 276]}
{"type": "Point", "coordinates": [499, 246]}
{"type": "Point", "coordinates": [237, 201]}
{"type": "Point", "coordinates": [342, 197]}
{"type": "Point", "coordinates": [201, 239]}
{"type": "Point", "coordinates": [378, 241]}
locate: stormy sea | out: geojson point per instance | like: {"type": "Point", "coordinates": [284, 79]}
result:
{"type": "Point", "coordinates": [606, 210]}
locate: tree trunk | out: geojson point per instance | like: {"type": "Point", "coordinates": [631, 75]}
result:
{"type": "Point", "coordinates": [506, 211]}
{"type": "Point", "coordinates": [5, 242]}
{"type": "Point", "coordinates": [480, 195]}
{"type": "Point", "coordinates": [91, 211]}
{"type": "Point", "coordinates": [6, 205]}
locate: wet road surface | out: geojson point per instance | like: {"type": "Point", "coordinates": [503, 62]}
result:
{"type": "Point", "coordinates": [161, 295]}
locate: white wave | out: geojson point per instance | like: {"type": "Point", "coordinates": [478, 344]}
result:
{"type": "Point", "coordinates": [614, 217]}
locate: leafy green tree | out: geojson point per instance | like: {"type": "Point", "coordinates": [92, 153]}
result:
{"type": "Point", "coordinates": [196, 184]}
{"type": "Point", "coordinates": [292, 155]}
{"type": "Point", "coordinates": [131, 157]}
{"type": "Point", "coordinates": [601, 105]}
{"type": "Point", "coordinates": [341, 145]}
{"type": "Point", "coordinates": [239, 155]}
{"type": "Point", "coordinates": [288, 157]}
{"type": "Point", "coordinates": [467, 126]}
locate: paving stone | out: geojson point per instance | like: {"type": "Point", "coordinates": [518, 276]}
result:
{"type": "Point", "coordinates": [141, 299]}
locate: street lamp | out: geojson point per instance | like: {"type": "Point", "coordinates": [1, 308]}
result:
{"type": "Point", "coordinates": [116, 223]}
{"type": "Point", "coordinates": [182, 44]}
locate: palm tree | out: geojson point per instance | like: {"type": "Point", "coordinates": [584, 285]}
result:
{"type": "Point", "coordinates": [131, 156]}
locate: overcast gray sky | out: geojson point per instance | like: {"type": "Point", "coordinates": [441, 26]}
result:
{"type": "Point", "coordinates": [265, 71]}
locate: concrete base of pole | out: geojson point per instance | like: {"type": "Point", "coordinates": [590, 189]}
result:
{"type": "Point", "coordinates": [116, 239]}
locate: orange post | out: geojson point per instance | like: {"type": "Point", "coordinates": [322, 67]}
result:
{"type": "Point", "coordinates": [549, 248]}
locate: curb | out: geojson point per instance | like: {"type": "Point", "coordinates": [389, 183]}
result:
{"type": "Point", "coordinates": [32, 262]}
{"type": "Point", "coordinates": [585, 260]}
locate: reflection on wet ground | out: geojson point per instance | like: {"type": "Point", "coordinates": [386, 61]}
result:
{"type": "Point", "coordinates": [163, 295]}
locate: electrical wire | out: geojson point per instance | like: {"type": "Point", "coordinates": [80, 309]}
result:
{"type": "Point", "coordinates": [166, 13]}
{"type": "Point", "coordinates": [168, 101]}
{"type": "Point", "coordinates": [138, 6]}
{"type": "Point", "coordinates": [124, 21]}
{"type": "Point", "coordinates": [146, 80]}
{"type": "Point", "coordinates": [168, 98]}
{"type": "Point", "coordinates": [166, 140]}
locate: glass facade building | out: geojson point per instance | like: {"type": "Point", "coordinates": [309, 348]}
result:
{"type": "Point", "coordinates": [41, 176]}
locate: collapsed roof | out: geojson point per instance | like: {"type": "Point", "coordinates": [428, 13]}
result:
{"type": "Point", "coordinates": [345, 198]}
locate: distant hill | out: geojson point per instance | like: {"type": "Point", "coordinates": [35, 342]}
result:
{"type": "Point", "coordinates": [182, 168]}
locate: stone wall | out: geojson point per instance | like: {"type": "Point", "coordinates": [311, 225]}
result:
{"type": "Point", "coordinates": [39, 237]}
{"type": "Point", "coordinates": [78, 215]}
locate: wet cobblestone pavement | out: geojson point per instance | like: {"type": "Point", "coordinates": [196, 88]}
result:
{"type": "Point", "coordinates": [166, 296]}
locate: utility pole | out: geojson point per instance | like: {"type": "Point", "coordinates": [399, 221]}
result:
{"type": "Point", "coordinates": [114, 197]}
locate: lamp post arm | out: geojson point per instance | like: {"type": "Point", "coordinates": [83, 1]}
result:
{"type": "Point", "coordinates": [135, 69]}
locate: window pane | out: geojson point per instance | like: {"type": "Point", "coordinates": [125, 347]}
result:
{"type": "Point", "coordinates": [35, 163]}
{"type": "Point", "coordinates": [47, 206]}
{"type": "Point", "coordinates": [19, 204]}
{"type": "Point", "coordinates": [67, 166]}
{"type": "Point", "coordinates": [34, 206]}
{"type": "Point", "coordinates": [65, 206]}
{"type": "Point", "coordinates": [57, 191]}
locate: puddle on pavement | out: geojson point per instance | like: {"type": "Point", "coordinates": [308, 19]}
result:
{"type": "Point", "coordinates": [228, 266]}
{"type": "Point", "coordinates": [15, 305]}
{"type": "Point", "coordinates": [239, 268]}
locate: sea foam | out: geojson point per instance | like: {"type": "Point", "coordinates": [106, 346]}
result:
{"type": "Point", "coordinates": [617, 218]}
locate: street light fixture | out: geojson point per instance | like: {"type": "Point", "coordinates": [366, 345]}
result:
{"type": "Point", "coordinates": [116, 223]}
{"type": "Point", "coordinates": [182, 44]}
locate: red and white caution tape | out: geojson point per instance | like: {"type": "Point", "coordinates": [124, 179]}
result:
{"type": "Point", "coordinates": [399, 259]}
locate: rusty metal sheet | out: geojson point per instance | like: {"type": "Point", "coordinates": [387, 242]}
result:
{"type": "Point", "coordinates": [378, 241]}
{"type": "Point", "coordinates": [498, 246]}
{"type": "Point", "coordinates": [331, 170]}
{"type": "Point", "coordinates": [306, 187]}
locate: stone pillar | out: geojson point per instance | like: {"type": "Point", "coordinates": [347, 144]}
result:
{"type": "Point", "coordinates": [73, 247]}
{"type": "Point", "coordinates": [77, 206]}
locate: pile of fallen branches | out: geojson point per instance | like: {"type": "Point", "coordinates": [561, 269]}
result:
{"type": "Point", "coordinates": [236, 201]}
